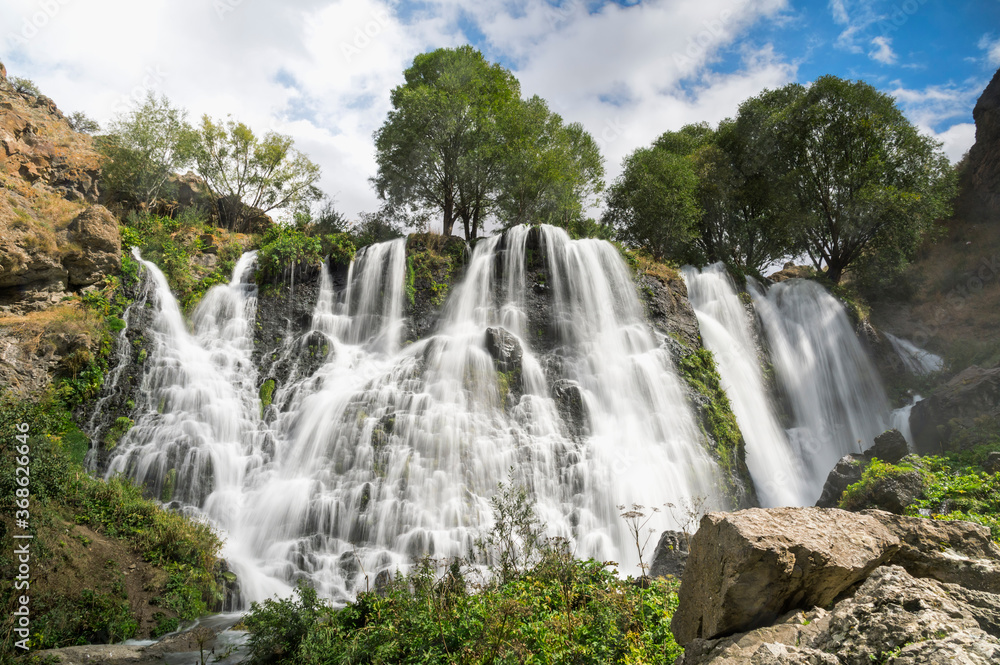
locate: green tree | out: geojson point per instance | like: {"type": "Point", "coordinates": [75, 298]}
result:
{"type": "Point", "coordinates": [552, 170]}
{"type": "Point", "coordinates": [654, 203]}
{"type": "Point", "coordinates": [867, 183]}
{"type": "Point", "coordinates": [248, 174]}
{"type": "Point", "coordinates": [81, 122]}
{"type": "Point", "coordinates": [440, 146]}
{"type": "Point", "coordinates": [143, 147]}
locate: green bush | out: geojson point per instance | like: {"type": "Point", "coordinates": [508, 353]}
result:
{"type": "Point", "coordinates": [540, 606]}
{"type": "Point", "coordinates": [285, 247]}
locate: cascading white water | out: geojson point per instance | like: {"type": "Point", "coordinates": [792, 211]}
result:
{"type": "Point", "coordinates": [837, 401]}
{"type": "Point", "coordinates": [383, 454]}
{"type": "Point", "coordinates": [915, 360]}
{"type": "Point", "coordinates": [777, 470]}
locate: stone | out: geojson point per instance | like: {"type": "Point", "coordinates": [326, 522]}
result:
{"type": "Point", "coordinates": [890, 446]}
{"type": "Point", "coordinates": [891, 492]}
{"type": "Point", "coordinates": [747, 568]}
{"type": "Point", "coordinates": [972, 394]}
{"type": "Point", "coordinates": [992, 462]}
{"type": "Point", "coordinates": [949, 551]}
{"type": "Point", "coordinates": [95, 231]}
{"type": "Point", "coordinates": [984, 156]}
{"type": "Point", "coordinates": [847, 472]}
{"type": "Point", "coordinates": [571, 406]}
{"type": "Point", "coordinates": [670, 555]}
{"type": "Point", "coordinates": [505, 349]}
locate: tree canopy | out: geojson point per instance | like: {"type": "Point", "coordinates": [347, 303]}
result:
{"type": "Point", "coordinates": [459, 140]}
{"type": "Point", "coordinates": [244, 170]}
{"type": "Point", "coordinates": [143, 147]}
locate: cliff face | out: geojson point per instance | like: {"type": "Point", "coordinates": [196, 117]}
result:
{"type": "Point", "coordinates": [984, 157]}
{"type": "Point", "coordinates": [52, 240]}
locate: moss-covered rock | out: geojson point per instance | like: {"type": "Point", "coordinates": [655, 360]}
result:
{"type": "Point", "coordinates": [434, 263]}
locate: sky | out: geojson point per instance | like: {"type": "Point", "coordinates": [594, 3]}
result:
{"type": "Point", "coordinates": [322, 71]}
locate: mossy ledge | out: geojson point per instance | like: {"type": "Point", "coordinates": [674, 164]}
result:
{"type": "Point", "coordinates": [434, 263]}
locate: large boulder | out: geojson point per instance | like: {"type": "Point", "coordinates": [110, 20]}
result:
{"type": "Point", "coordinates": [957, 405]}
{"type": "Point", "coordinates": [890, 446]}
{"type": "Point", "coordinates": [97, 243]}
{"type": "Point", "coordinates": [747, 568]}
{"type": "Point", "coordinates": [505, 349]}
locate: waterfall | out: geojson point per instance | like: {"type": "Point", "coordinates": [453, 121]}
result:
{"type": "Point", "coordinates": [384, 453]}
{"type": "Point", "coordinates": [777, 471]}
{"type": "Point", "coordinates": [837, 401]}
{"type": "Point", "coordinates": [915, 360]}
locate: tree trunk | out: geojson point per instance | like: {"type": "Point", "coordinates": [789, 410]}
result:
{"type": "Point", "coordinates": [449, 215]}
{"type": "Point", "coordinates": [834, 272]}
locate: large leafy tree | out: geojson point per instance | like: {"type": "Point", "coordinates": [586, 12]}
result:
{"type": "Point", "coordinates": [246, 172]}
{"type": "Point", "coordinates": [868, 184]}
{"type": "Point", "coordinates": [440, 146]}
{"type": "Point", "coordinates": [553, 170]}
{"type": "Point", "coordinates": [654, 203]}
{"type": "Point", "coordinates": [143, 147]}
{"type": "Point", "coordinates": [460, 141]}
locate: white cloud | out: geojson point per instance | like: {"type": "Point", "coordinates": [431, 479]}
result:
{"type": "Point", "coordinates": [322, 70]}
{"type": "Point", "coordinates": [883, 51]}
{"type": "Point", "coordinates": [935, 109]}
{"type": "Point", "coordinates": [956, 140]}
{"type": "Point", "coordinates": [992, 47]}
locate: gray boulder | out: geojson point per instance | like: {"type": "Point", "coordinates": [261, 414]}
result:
{"type": "Point", "coordinates": [670, 555]}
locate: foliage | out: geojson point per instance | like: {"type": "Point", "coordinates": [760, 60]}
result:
{"type": "Point", "coordinates": [263, 173]}
{"type": "Point", "coordinates": [62, 490]}
{"type": "Point", "coordinates": [556, 610]}
{"type": "Point", "coordinates": [25, 86]}
{"type": "Point", "coordinates": [433, 263]}
{"type": "Point", "coordinates": [867, 183]}
{"type": "Point", "coordinates": [654, 204]}
{"type": "Point", "coordinates": [284, 249]}
{"type": "Point", "coordinates": [717, 418]}
{"type": "Point", "coordinates": [955, 486]}
{"type": "Point", "coordinates": [460, 141]}
{"type": "Point", "coordinates": [143, 147]}
{"type": "Point", "coordinates": [81, 122]}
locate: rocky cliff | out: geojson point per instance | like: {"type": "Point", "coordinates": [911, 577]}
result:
{"type": "Point", "coordinates": [984, 157]}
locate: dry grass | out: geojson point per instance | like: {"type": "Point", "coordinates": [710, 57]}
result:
{"type": "Point", "coordinates": [37, 330]}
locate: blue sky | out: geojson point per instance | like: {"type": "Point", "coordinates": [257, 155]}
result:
{"type": "Point", "coordinates": [321, 71]}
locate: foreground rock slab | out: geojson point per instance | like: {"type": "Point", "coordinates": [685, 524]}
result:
{"type": "Point", "coordinates": [746, 569]}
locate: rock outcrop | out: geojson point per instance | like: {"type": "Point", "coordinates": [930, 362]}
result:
{"type": "Point", "coordinates": [671, 554]}
{"type": "Point", "coordinates": [96, 245]}
{"type": "Point", "coordinates": [931, 598]}
{"type": "Point", "coordinates": [957, 405]}
{"type": "Point", "coordinates": [890, 446]}
{"type": "Point", "coordinates": [748, 568]}
{"type": "Point", "coordinates": [984, 157]}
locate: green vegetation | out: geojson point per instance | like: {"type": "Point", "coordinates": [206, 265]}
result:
{"type": "Point", "coordinates": [955, 486]}
{"type": "Point", "coordinates": [538, 605]}
{"type": "Point", "coordinates": [81, 122]}
{"type": "Point", "coordinates": [461, 142]}
{"type": "Point", "coordinates": [433, 263]}
{"type": "Point", "coordinates": [718, 421]}
{"type": "Point", "coordinates": [25, 86]}
{"type": "Point", "coordinates": [834, 171]}
{"type": "Point", "coordinates": [94, 607]}
{"type": "Point", "coordinates": [243, 170]}
{"type": "Point", "coordinates": [142, 148]}
{"type": "Point", "coordinates": [287, 248]}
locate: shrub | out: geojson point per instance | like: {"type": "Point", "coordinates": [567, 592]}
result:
{"type": "Point", "coordinates": [284, 248]}
{"type": "Point", "coordinates": [25, 86]}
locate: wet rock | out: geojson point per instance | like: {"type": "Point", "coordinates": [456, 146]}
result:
{"type": "Point", "coordinates": [569, 401]}
{"type": "Point", "coordinates": [670, 555]}
{"type": "Point", "coordinates": [992, 462]}
{"type": "Point", "coordinates": [972, 394]}
{"type": "Point", "coordinates": [747, 568]}
{"type": "Point", "coordinates": [95, 231]}
{"type": "Point", "coordinates": [505, 349]}
{"type": "Point", "coordinates": [847, 472]}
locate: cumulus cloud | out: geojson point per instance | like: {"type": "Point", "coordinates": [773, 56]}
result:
{"type": "Point", "coordinates": [883, 51]}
